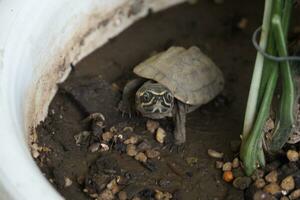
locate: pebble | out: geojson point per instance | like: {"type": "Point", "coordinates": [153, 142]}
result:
{"type": "Point", "coordinates": [160, 135]}
{"type": "Point", "coordinates": [136, 198]}
{"type": "Point", "coordinates": [152, 125]}
{"type": "Point", "coordinates": [237, 172]}
{"type": "Point", "coordinates": [107, 136]}
{"type": "Point", "coordinates": [68, 182]}
{"type": "Point", "coordinates": [214, 154]}
{"type": "Point", "coordinates": [131, 140]}
{"type": "Point", "coordinates": [257, 174]}
{"type": "Point", "coordinates": [260, 195]}
{"type": "Point", "coordinates": [106, 195]}
{"type": "Point", "coordinates": [131, 150]}
{"type": "Point", "coordinates": [191, 161]}
{"type": "Point", "coordinates": [242, 24]}
{"type": "Point", "coordinates": [128, 129]}
{"type": "Point", "coordinates": [260, 183]}
{"type": "Point", "coordinates": [284, 198]}
{"type": "Point", "coordinates": [295, 194]}
{"type": "Point", "coordinates": [141, 157]}
{"type": "Point", "coordinates": [242, 182]}
{"type": "Point", "coordinates": [272, 177]}
{"type": "Point", "coordinates": [162, 195]}
{"type": "Point", "coordinates": [104, 147]}
{"type": "Point", "coordinates": [150, 153]}
{"type": "Point", "coordinates": [219, 164]}
{"type": "Point", "coordinates": [227, 176]}
{"type": "Point", "coordinates": [227, 166]}
{"type": "Point", "coordinates": [292, 155]}
{"type": "Point", "coordinates": [269, 125]}
{"type": "Point", "coordinates": [81, 137]}
{"type": "Point", "coordinates": [288, 183]}
{"type": "Point", "coordinates": [113, 186]}
{"type": "Point", "coordinates": [122, 195]}
{"type": "Point", "coordinates": [144, 145]}
{"type": "Point", "coordinates": [272, 188]}
{"type": "Point", "coordinates": [235, 163]}
{"type": "Point", "coordinates": [164, 183]}
{"type": "Point", "coordinates": [94, 147]}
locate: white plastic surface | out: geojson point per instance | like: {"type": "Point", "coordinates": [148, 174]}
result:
{"type": "Point", "coordinates": [38, 41]}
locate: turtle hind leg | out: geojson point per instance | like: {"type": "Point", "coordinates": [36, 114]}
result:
{"type": "Point", "coordinates": [126, 104]}
{"type": "Point", "coordinates": [180, 121]}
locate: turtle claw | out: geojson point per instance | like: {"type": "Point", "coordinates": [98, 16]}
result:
{"type": "Point", "coordinates": [177, 148]}
{"type": "Point", "coordinates": [125, 109]}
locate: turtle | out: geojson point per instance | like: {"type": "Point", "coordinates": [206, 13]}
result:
{"type": "Point", "coordinates": [172, 83]}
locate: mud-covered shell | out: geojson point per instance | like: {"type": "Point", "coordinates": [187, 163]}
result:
{"type": "Point", "coordinates": [189, 74]}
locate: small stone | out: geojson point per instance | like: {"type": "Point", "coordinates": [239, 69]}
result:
{"type": "Point", "coordinates": [162, 195]}
{"type": "Point", "coordinates": [269, 125]}
{"type": "Point", "coordinates": [81, 137]}
{"type": "Point", "coordinates": [131, 150]}
{"type": "Point", "coordinates": [227, 176]}
{"type": "Point", "coordinates": [219, 164]}
{"type": "Point", "coordinates": [113, 186]}
{"type": "Point", "coordinates": [132, 140]}
{"type": "Point", "coordinates": [235, 163]}
{"type": "Point", "coordinates": [227, 166]}
{"type": "Point", "coordinates": [260, 195]}
{"type": "Point", "coordinates": [288, 183]}
{"type": "Point", "coordinates": [257, 174]}
{"type": "Point", "coordinates": [94, 147]}
{"type": "Point", "coordinates": [107, 136]}
{"type": "Point", "coordinates": [191, 161]}
{"type": "Point", "coordinates": [35, 150]}
{"type": "Point", "coordinates": [295, 194]}
{"type": "Point", "coordinates": [242, 24]}
{"type": "Point", "coordinates": [152, 125]}
{"type": "Point", "coordinates": [292, 155]}
{"type": "Point", "coordinates": [106, 195]}
{"type": "Point", "coordinates": [284, 198]}
{"type": "Point", "coordinates": [160, 135]}
{"type": "Point", "coordinates": [136, 198]}
{"type": "Point", "coordinates": [260, 183]}
{"type": "Point", "coordinates": [164, 183]}
{"type": "Point", "coordinates": [104, 147]}
{"type": "Point", "coordinates": [141, 157]}
{"type": "Point", "coordinates": [242, 182]}
{"type": "Point", "coordinates": [150, 153]}
{"type": "Point", "coordinates": [237, 172]}
{"type": "Point", "coordinates": [214, 154]}
{"type": "Point", "coordinates": [128, 129]}
{"type": "Point", "coordinates": [272, 177]}
{"type": "Point", "coordinates": [122, 195]}
{"type": "Point", "coordinates": [68, 182]}
{"type": "Point", "coordinates": [272, 188]}
{"type": "Point", "coordinates": [144, 145]}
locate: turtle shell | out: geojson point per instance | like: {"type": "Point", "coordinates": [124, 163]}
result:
{"type": "Point", "coordinates": [189, 74]}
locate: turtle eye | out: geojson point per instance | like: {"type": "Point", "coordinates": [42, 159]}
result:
{"type": "Point", "coordinates": [168, 97]}
{"type": "Point", "coordinates": [146, 96]}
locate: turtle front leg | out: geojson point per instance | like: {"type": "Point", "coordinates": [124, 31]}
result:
{"type": "Point", "coordinates": [126, 104]}
{"type": "Point", "coordinates": [180, 120]}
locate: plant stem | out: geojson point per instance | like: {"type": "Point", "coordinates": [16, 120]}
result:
{"type": "Point", "coordinates": [257, 73]}
{"type": "Point", "coordinates": [286, 111]}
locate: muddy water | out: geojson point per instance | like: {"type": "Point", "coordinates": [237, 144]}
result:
{"type": "Point", "coordinates": [213, 28]}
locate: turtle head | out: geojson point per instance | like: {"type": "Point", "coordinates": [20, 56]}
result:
{"type": "Point", "coordinates": [154, 100]}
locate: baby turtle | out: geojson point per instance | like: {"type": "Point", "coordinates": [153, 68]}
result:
{"type": "Point", "coordinates": [173, 83]}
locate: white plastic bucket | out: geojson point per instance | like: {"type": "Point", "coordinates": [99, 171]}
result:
{"type": "Point", "coordinates": [38, 41]}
